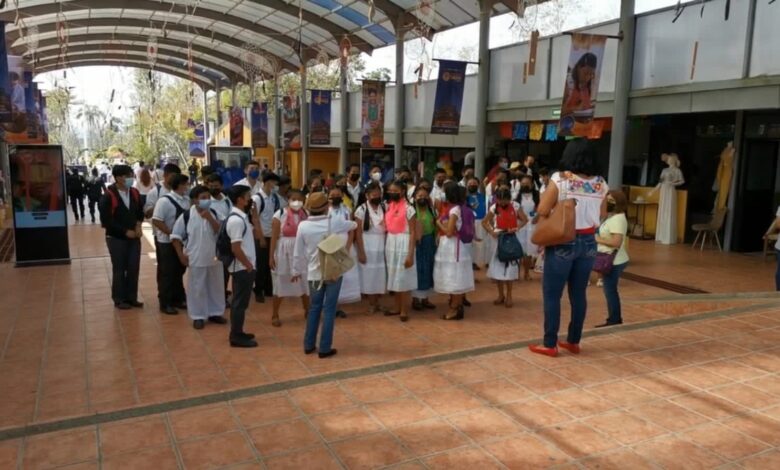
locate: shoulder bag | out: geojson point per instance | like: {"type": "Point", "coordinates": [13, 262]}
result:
{"type": "Point", "coordinates": [559, 227]}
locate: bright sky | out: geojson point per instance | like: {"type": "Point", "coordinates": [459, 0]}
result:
{"type": "Point", "coordinates": [94, 85]}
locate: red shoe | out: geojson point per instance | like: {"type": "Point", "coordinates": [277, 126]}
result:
{"type": "Point", "coordinates": [572, 348]}
{"type": "Point", "coordinates": [539, 349]}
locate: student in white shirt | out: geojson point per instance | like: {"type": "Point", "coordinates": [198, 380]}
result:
{"type": "Point", "coordinates": [170, 271]}
{"type": "Point", "coordinates": [266, 203]}
{"type": "Point", "coordinates": [370, 242]}
{"type": "Point", "coordinates": [194, 238]}
{"type": "Point", "coordinates": [354, 186]}
{"type": "Point", "coordinates": [437, 193]}
{"type": "Point", "coordinates": [252, 172]}
{"type": "Point", "coordinates": [285, 228]}
{"type": "Point", "coordinates": [323, 295]}
{"type": "Point", "coordinates": [161, 189]}
{"type": "Point", "coordinates": [220, 204]}
{"type": "Point", "coordinates": [242, 233]}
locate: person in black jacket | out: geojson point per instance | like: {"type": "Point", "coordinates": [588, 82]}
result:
{"type": "Point", "coordinates": [95, 189]}
{"type": "Point", "coordinates": [121, 214]}
{"type": "Point", "coordinates": [75, 184]}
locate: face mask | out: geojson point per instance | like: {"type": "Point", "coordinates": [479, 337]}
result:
{"type": "Point", "coordinates": [254, 174]}
{"type": "Point", "coordinates": [354, 177]}
{"type": "Point", "coordinates": [395, 197]}
{"type": "Point", "coordinates": [422, 202]}
{"type": "Point", "coordinates": [129, 182]}
{"type": "Point", "coordinates": [376, 176]}
{"type": "Point", "coordinates": [375, 201]}
{"type": "Point", "coordinates": [336, 201]}
{"type": "Point", "coordinates": [296, 205]}
{"type": "Point", "coordinates": [610, 207]}
{"type": "Point", "coordinates": [215, 192]}
{"type": "Point", "coordinates": [473, 189]}
{"type": "Point", "coordinates": [204, 203]}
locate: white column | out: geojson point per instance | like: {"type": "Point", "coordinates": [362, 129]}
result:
{"type": "Point", "coordinates": [625, 60]}
{"type": "Point", "coordinates": [205, 119]}
{"type": "Point", "coordinates": [344, 123]}
{"type": "Point", "coordinates": [400, 101]}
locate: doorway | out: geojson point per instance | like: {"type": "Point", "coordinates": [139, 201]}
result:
{"type": "Point", "coordinates": [758, 187]}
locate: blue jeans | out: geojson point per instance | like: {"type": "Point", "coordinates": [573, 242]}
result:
{"type": "Point", "coordinates": [568, 264]}
{"type": "Point", "coordinates": [777, 271]}
{"type": "Point", "coordinates": [325, 298]}
{"type": "Point", "coordinates": [611, 293]}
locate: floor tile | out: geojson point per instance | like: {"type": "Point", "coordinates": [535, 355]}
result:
{"type": "Point", "coordinates": [345, 423]}
{"type": "Point", "coordinates": [260, 410]}
{"type": "Point", "coordinates": [376, 450]}
{"type": "Point", "coordinates": [763, 461]}
{"type": "Point", "coordinates": [526, 451]}
{"type": "Point", "coordinates": [624, 427]}
{"type": "Point", "coordinates": [671, 452]}
{"type": "Point", "coordinates": [310, 399]}
{"type": "Point", "coordinates": [202, 421]}
{"type": "Point", "coordinates": [142, 459]}
{"type": "Point", "coordinates": [578, 403]}
{"type": "Point", "coordinates": [619, 459]}
{"type": "Point", "coordinates": [484, 424]}
{"type": "Point", "coordinates": [534, 414]}
{"type": "Point", "coordinates": [428, 437]}
{"type": "Point", "coordinates": [116, 438]}
{"type": "Point", "coordinates": [500, 391]}
{"type": "Point", "coordinates": [577, 439]}
{"type": "Point", "coordinates": [317, 457]}
{"type": "Point", "coordinates": [451, 400]}
{"type": "Point", "coordinates": [721, 440]}
{"type": "Point", "coordinates": [400, 412]}
{"type": "Point", "coordinates": [283, 437]}
{"type": "Point", "coordinates": [758, 426]}
{"type": "Point", "coordinates": [216, 451]}
{"type": "Point", "coordinates": [373, 390]}
{"type": "Point", "coordinates": [420, 379]}
{"type": "Point", "coordinates": [467, 458]}
{"type": "Point", "coordinates": [60, 448]}
{"type": "Point", "coordinates": [668, 415]}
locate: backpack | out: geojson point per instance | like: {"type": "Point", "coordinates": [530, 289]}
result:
{"type": "Point", "coordinates": [277, 203]}
{"type": "Point", "coordinates": [334, 257]}
{"type": "Point", "coordinates": [186, 217]}
{"type": "Point", "coordinates": [466, 231]}
{"type": "Point", "coordinates": [509, 249]}
{"type": "Point", "coordinates": [179, 209]}
{"type": "Point", "coordinates": [113, 198]}
{"type": "Point", "coordinates": [224, 245]}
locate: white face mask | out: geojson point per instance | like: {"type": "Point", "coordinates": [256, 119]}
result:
{"type": "Point", "coordinates": [376, 176]}
{"type": "Point", "coordinates": [296, 205]}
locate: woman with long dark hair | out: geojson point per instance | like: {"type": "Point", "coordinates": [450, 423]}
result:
{"type": "Point", "coordinates": [569, 264]}
{"type": "Point", "coordinates": [425, 252]}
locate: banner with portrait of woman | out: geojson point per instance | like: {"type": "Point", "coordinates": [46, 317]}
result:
{"type": "Point", "coordinates": [259, 125]}
{"type": "Point", "coordinates": [373, 114]}
{"type": "Point", "coordinates": [582, 84]}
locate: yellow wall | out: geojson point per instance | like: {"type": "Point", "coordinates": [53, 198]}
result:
{"type": "Point", "coordinates": [651, 212]}
{"type": "Point", "coordinates": [263, 155]}
{"type": "Point", "coordinates": [323, 159]}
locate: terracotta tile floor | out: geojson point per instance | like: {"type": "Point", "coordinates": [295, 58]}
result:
{"type": "Point", "coordinates": [697, 392]}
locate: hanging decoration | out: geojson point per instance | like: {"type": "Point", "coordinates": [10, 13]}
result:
{"type": "Point", "coordinates": [370, 11]}
{"type": "Point", "coordinates": [581, 87]}
{"type": "Point", "coordinates": [520, 131]}
{"type": "Point", "coordinates": [151, 50]}
{"type": "Point", "coordinates": [62, 37]}
{"type": "Point", "coordinates": [190, 62]}
{"type": "Point", "coordinates": [525, 23]}
{"type": "Point", "coordinates": [322, 56]}
{"type": "Point", "coordinates": [533, 46]}
{"type": "Point", "coordinates": [537, 128]}
{"type": "Point", "coordinates": [372, 114]}
{"type": "Point", "coordinates": [448, 103]}
{"type": "Point", "coordinates": [418, 83]}
{"type": "Point", "coordinates": [345, 47]}
{"type": "Point", "coordinates": [32, 39]}
{"type": "Point", "coordinates": [551, 132]}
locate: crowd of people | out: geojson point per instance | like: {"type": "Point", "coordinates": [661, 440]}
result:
{"type": "Point", "coordinates": [404, 241]}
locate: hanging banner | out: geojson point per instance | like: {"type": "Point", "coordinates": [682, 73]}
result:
{"type": "Point", "coordinates": [40, 221]}
{"type": "Point", "coordinates": [449, 97]}
{"type": "Point", "coordinates": [25, 124]}
{"type": "Point", "coordinates": [373, 114]}
{"type": "Point", "coordinates": [320, 117]}
{"type": "Point", "coordinates": [582, 84]}
{"type": "Point", "coordinates": [5, 85]}
{"type": "Point", "coordinates": [237, 127]}
{"type": "Point", "coordinates": [291, 122]}
{"type": "Point", "coordinates": [259, 125]}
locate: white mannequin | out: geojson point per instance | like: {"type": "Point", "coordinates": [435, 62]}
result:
{"type": "Point", "coordinates": [671, 178]}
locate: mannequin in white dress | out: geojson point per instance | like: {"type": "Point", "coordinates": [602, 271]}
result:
{"type": "Point", "coordinates": [671, 178]}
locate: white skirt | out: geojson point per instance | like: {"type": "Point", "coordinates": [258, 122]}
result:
{"type": "Point", "coordinates": [282, 275]}
{"type": "Point", "coordinates": [479, 255]}
{"type": "Point", "coordinates": [524, 235]}
{"type": "Point", "coordinates": [499, 271]}
{"type": "Point", "coordinates": [399, 278]}
{"type": "Point", "coordinates": [205, 292]}
{"type": "Point", "coordinates": [373, 275]}
{"type": "Point", "coordinates": [350, 285]}
{"type": "Point", "coordinates": [452, 274]}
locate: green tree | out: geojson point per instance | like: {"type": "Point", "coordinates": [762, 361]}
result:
{"type": "Point", "coordinates": [58, 103]}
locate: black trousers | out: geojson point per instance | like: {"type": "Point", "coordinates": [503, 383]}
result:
{"type": "Point", "coordinates": [170, 276]}
{"type": "Point", "coordinates": [125, 263]}
{"type": "Point", "coordinates": [92, 204]}
{"type": "Point", "coordinates": [77, 202]}
{"type": "Point", "coordinates": [226, 272]}
{"type": "Point", "coordinates": [242, 290]}
{"type": "Point", "coordinates": [263, 282]}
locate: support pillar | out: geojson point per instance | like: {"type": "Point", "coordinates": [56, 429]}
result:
{"type": "Point", "coordinates": [278, 137]}
{"type": "Point", "coordinates": [205, 119]}
{"type": "Point", "coordinates": [304, 115]}
{"type": "Point", "coordinates": [344, 123]}
{"type": "Point", "coordinates": [483, 80]}
{"type": "Point", "coordinates": [400, 99]}
{"type": "Point", "coordinates": [218, 120]}
{"type": "Point", "coordinates": [625, 61]}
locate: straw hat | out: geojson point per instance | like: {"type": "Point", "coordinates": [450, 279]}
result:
{"type": "Point", "coordinates": [316, 202]}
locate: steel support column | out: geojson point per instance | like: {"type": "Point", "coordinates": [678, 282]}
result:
{"type": "Point", "coordinates": [205, 119]}
{"type": "Point", "coordinates": [625, 60]}
{"type": "Point", "coordinates": [218, 119]}
{"type": "Point", "coordinates": [344, 123]}
{"type": "Point", "coordinates": [400, 101]}
{"type": "Point", "coordinates": [304, 125]}
{"type": "Point", "coordinates": [483, 80]}
{"type": "Point", "coordinates": [278, 137]}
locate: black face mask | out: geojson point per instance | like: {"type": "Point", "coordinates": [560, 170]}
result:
{"type": "Point", "coordinates": [215, 192]}
{"type": "Point", "coordinates": [354, 177]}
{"type": "Point", "coordinates": [610, 207]}
{"type": "Point", "coordinates": [422, 202]}
{"type": "Point", "coordinates": [336, 201]}
{"type": "Point", "coordinates": [394, 197]}
{"type": "Point", "coordinates": [473, 189]}
{"type": "Point", "coordinates": [375, 201]}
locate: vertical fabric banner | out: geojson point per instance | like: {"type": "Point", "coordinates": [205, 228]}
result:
{"type": "Point", "coordinates": [373, 114]}
{"type": "Point", "coordinates": [449, 97]}
{"type": "Point", "coordinates": [259, 125]}
{"type": "Point", "coordinates": [291, 122]}
{"type": "Point", "coordinates": [5, 85]}
{"type": "Point", "coordinates": [236, 127]}
{"type": "Point", "coordinates": [320, 117]}
{"type": "Point", "coordinates": [582, 84]}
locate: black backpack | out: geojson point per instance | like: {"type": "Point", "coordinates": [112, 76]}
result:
{"type": "Point", "coordinates": [275, 198]}
{"type": "Point", "coordinates": [224, 245]}
{"type": "Point", "coordinates": [179, 209]}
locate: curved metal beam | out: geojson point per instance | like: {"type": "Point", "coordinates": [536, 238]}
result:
{"type": "Point", "coordinates": [202, 82]}
{"type": "Point", "coordinates": [169, 6]}
{"type": "Point", "coordinates": [197, 61]}
{"type": "Point", "coordinates": [43, 28]}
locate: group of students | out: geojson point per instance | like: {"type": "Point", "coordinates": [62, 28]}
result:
{"type": "Point", "coordinates": [409, 240]}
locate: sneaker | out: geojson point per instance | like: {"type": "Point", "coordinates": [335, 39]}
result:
{"type": "Point", "coordinates": [169, 310]}
{"type": "Point", "coordinates": [122, 306]}
{"type": "Point", "coordinates": [260, 298]}
{"type": "Point", "coordinates": [330, 353]}
{"type": "Point", "coordinates": [218, 320]}
{"type": "Point", "coordinates": [243, 342]}
{"type": "Point", "coordinates": [198, 324]}
{"type": "Point", "coordinates": [341, 314]}
{"type": "Point", "coordinates": [609, 323]}
{"type": "Point", "coordinates": [136, 304]}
